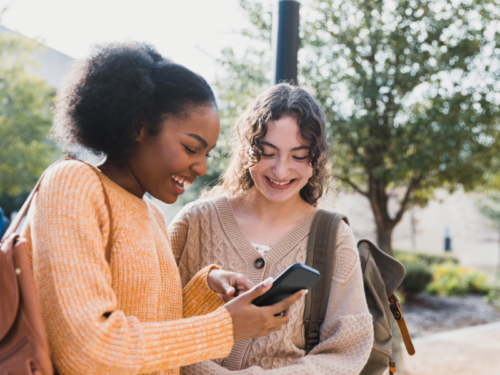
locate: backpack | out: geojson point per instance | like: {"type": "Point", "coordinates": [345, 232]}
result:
{"type": "Point", "coordinates": [24, 348]}
{"type": "Point", "coordinates": [382, 275]}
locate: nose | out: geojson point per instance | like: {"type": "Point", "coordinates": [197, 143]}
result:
{"type": "Point", "coordinates": [200, 166]}
{"type": "Point", "coordinates": [280, 169]}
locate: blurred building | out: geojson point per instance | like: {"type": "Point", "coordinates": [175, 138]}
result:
{"type": "Point", "coordinates": [52, 64]}
{"type": "Point", "coordinates": [452, 221]}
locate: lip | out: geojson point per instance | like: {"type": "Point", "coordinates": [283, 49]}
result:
{"type": "Point", "coordinates": [279, 187]}
{"type": "Point", "coordinates": [176, 187]}
{"type": "Point", "coordinates": [180, 190]}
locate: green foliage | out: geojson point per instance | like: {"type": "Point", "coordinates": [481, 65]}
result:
{"type": "Point", "coordinates": [493, 297]}
{"type": "Point", "coordinates": [451, 279]}
{"type": "Point", "coordinates": [418, 276]}
{"type": "Point", "coordinates": [427, 259]}
{"type": "Point", "coordinates": [407, 70]}
{"type": "Point", "coordinates": [25, 118]}
{"type": "Point", "coordinates": [410, 91]}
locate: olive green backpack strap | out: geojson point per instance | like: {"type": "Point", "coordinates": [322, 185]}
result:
{"type": "Point", "coordinates": [320, 255]}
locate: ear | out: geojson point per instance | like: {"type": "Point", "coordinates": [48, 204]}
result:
{"type": "Point", "coordinates": [141, 134]}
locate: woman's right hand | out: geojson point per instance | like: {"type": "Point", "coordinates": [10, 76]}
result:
{"type": "Point", "coordinates": [250, 321]}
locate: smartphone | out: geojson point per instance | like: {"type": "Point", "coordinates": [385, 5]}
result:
{"type": "Point", "coordinates": [294, 278]}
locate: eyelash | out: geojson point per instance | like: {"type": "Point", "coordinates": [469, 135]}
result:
{"type": "Point", "coordinates": [189, 150]}
{"type": "Point", "coordinates": [193, 152]}
{"type": "Point", "coordinates": [295, 157]}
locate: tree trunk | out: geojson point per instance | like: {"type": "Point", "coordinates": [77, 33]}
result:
{"type": "Point", "coordinates": [379, 201]}
{"type": "Point", "coordinates": [384, 237]}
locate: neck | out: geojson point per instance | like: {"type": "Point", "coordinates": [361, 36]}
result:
{"type": "Point", "coordinates": [254, 204]}
{"type": "Point", "coordinates": [124, 176]}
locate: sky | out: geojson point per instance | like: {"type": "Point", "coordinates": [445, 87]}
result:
{"type": "Point", "coordinates": [190, 32]}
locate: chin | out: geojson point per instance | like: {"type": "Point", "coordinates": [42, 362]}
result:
{"type": "Point", "coordinates": [166, 198]}
{"type": "Point", "coordinates": [280, 197]}
{"type": "Point", "coordinates": [170, 199]}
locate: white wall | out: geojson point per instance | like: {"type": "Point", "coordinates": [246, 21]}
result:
{"type": "Point", "coordinates": [474, 242]}
{"type": "Point", "coordinates": [53, 65]}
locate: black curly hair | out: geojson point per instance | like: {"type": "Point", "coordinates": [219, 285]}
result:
{"type": "Point", "coordinates": [121, 87]}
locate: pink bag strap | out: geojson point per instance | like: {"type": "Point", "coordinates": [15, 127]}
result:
{"type": "Point", "coordinates": [24, 209]}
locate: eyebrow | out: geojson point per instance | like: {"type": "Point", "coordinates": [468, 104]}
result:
{"type": "Point", "coordinates": [197, 137]}
{"type": "Point", "coordinates": [293, 149]}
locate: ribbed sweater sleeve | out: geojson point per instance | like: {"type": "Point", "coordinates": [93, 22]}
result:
{"type": "Point", "coordinates": [198, 298]}
{"type": "Point", "coordinates": [69, 231]}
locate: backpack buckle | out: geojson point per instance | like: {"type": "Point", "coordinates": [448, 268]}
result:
{"type": "Point", "coordinates": [392, 366]}
{"type": "Point", "coordinates": [312, 339]}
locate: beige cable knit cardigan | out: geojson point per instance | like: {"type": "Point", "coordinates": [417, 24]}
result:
{"type": "Point", "coordinates": [206, 232]}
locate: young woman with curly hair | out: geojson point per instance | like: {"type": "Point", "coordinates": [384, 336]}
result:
{"type": "Point", "coordinates": [257, 222]}
{"type": "Point", "coordinates": [155, 121]}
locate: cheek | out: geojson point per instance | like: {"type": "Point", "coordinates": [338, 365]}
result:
{"type": "Point", "coordinates": [164, 158]}
{"type": "Point", "coordinates": [305, 170]}
{"type": "Point", "coordinates": [261, 168]}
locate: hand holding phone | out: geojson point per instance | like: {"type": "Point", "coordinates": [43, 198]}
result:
{"type": "Point", "coordinates": [250, 321]}
{"type": "Point", "coordinates": [294, 278]}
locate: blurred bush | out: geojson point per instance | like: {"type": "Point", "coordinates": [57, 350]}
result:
{"type": "Point", "coordinates": [450, 279]}
{"type": "Point", "coordinates": [418, 276]}
{"type": "Point", "coordinates": [418, 271]}
{"type": "Point", "coordinates": [428, 259]}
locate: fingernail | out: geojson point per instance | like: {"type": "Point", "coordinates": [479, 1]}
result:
{"type": "Point", "coordinates": [220, 296]}
{"type": "Point", "coordinates": [307, 291]}
{"type": "Point", "coordinates": [268, 281]}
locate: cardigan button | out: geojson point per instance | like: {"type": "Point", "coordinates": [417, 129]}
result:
{"type": "Point", "coordinates": [259, 263]}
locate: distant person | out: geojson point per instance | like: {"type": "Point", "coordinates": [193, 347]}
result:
{"type": "Point", "coordinates": [4, 223]}
{"type": "Point", "coordinates": [257, 221]}
{"type": "Point", "coordinates": [155, 121]}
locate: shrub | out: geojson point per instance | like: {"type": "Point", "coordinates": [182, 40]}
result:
{"type": "Point", "coordinates": [451, 279]}
{"type": "Point", "coordinates": [428, 259]}
{"type": "Point", "coordinates": [418, 276]}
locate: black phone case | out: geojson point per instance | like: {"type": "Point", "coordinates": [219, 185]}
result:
{"type": "Point", "coordinates": [294, 278]}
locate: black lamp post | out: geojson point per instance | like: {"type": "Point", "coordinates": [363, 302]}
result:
{"type": "Point", "coordinates": [287, 41]}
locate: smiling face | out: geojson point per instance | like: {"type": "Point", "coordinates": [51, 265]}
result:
{"type": "Point", "coordinates": [284, 167]}
{"type": "Point", "coordinates": [167, 163]}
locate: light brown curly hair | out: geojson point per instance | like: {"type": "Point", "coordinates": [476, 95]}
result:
{"type": "Point", "coordinates": [251, 128]}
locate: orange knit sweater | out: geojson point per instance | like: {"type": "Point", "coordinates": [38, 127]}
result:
{"type": "Point", "coordinates": [67, 230]}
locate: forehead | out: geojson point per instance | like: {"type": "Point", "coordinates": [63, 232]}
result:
{"type": "Point", "coordinates": [203, 122]}
{"type": "Point", "coordinates": [284, 133]}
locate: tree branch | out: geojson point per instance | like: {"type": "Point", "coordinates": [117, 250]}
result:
{"type": "Point", "coordinates": [411, 187]}
{"type": "Point", "coordinates": [353, 185]}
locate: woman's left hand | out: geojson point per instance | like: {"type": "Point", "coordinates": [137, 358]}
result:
{"type": "Point", "coordinates": [228, 284]}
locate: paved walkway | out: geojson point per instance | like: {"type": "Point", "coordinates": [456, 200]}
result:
{"type": "Point", "coordinates": [466, 351]}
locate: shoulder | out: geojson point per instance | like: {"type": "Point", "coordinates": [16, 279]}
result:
{"type": "Point", "coordinates": [72, 176]}
{"type": "Point", "coordinates": [346, 253]}
{"type": "Point", "coordinates": [73, 191]}
{"type": "Point", "coordinates": [198, 209]}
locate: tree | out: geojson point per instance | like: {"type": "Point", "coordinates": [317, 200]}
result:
{"type": "Point", "coordinates": [25, 120]}
{"type": "Point", "coordinates": [409, 89]}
